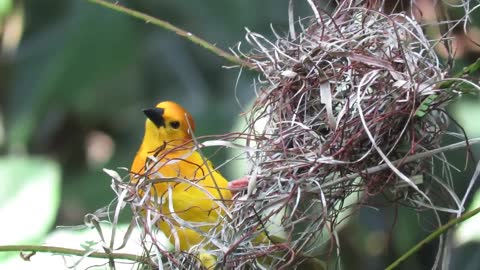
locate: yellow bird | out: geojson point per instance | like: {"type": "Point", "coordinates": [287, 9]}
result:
{"type": "Point", "coordinates": [190, 191]}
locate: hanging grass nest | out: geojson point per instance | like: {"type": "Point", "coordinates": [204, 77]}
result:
{"type": "Point", "coordinates": [351, 103]}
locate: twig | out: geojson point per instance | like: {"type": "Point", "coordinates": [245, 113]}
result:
{"type": "Point", "coordinates": [170, 27]}
{"type": "Point", "coordinates": [432, 236]}
{"type": "Point", "coordinates": [75, 252]}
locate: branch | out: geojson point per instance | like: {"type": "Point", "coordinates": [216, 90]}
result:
{"type": "Point", "coordinates": [75, 252]}
{"type": "Point", "coordinates": [432, 236]}
{"type": "Point", "coordinates": [172, 28]}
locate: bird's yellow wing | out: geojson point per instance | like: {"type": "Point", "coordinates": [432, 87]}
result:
{"type": "Point", "coordinates": [192, 196]}
{"type": "Point", "coordinates": [187, 199]}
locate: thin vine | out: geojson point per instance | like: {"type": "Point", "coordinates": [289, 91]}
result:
{"type": "Point", "coordinates": [172, 28]}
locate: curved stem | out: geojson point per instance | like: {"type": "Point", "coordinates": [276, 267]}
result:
{"type": "Point", "coordinates": [432, 236]}
{"type": "Point", "coordinates": [170, 27]}
{"type": "Point", "coordinates": [75, 252]}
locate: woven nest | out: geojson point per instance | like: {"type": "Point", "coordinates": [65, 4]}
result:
{"type": "Point", "coordinates": [349, 107]}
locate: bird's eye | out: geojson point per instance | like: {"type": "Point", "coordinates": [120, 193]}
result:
{"type": "Point", "coordinates": [175, 124]}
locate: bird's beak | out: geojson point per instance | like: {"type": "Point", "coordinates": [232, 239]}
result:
{"type": "Point", "coordinates": [156, 116]}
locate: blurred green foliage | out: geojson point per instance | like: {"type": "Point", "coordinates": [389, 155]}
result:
{"type": "Point", "coordinates": [29, 197]}
{"type": "Point", "coordinates": [81, 69]}
{"type": "Point", "coordinates": [5, 7]}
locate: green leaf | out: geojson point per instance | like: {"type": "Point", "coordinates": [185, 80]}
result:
{"type": "Point", "coordinates": [425, 105]}
{"type": "Point", "coordinates": [468, 71]}
{"type": "Point", "coordinates": [29, 199]}
{"type": "Point", "coordinates": [5, 7]}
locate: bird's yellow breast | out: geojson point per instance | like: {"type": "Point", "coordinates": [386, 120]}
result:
{"type": "Point", "coordinates": [189, 190]}
{"type": "Point", "coordinates": [180, 192]}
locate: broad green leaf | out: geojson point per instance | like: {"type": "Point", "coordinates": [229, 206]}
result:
{"type": "Point", "coordinates": [29, 199]}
